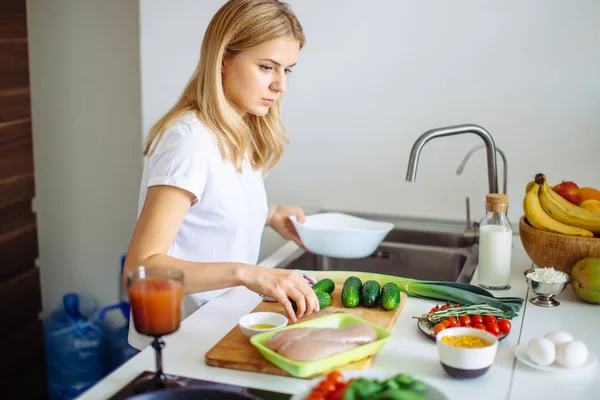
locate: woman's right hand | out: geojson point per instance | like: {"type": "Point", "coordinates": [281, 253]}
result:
{"type": "Point", "coordinates": [282, 285]}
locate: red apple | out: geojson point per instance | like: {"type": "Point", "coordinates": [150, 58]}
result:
{"type": "Point", "coordinates": [569, 191]}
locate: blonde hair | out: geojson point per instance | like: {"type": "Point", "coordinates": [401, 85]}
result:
{"type": "Point", "coordinates": [237, 26]}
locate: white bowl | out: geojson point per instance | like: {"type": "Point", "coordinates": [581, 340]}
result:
{"type": "Point", "coordinates": [465, 363]}
{"type": "Point", "coordinates": [341, 235]}
{"type": "Point", "coordinates": [270, 318]}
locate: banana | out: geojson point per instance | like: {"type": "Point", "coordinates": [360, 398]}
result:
{"type": "Point", "coordinates": [538, 218]}
{"type": "Point", "coordinates": [566, 212]}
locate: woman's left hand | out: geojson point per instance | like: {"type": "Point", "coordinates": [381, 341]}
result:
{"type": "Point", "coordinates": [278, 219]}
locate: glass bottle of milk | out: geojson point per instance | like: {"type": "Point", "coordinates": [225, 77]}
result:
{"type": "Point", "coordinates": [495, 244]}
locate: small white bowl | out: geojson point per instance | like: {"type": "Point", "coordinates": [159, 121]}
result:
{"type": "Point", "coordinates": [465, 363]}
{"type": "Point", "coordinates": [341, 235]}
{"type": "Point", "coordinates": [270, 318]}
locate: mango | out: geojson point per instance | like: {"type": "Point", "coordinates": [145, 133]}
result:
{"type": "Point", "coordinates": [585, 280]}
{"type": "Point", "coordinates": [591, 205]}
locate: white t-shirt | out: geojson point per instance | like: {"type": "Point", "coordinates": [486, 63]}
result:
{"type": "Point", "coordinates": [226, 220]}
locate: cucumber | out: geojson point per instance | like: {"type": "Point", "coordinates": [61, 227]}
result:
{"type": "Point", "coordinates": [324, 285]}
{"type": "Point", "coordinates": [324, 299]}
{"type": "Point", "coordinates": [390, 296]}
{"type": "Point", "coordinates": [370, 293]}
{"type": "Point", "coordinates": [351, 292]}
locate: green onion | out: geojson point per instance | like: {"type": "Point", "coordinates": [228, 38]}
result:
{"type": "Point", "coordinates": [456, 292]}
{"type": "Point", "coordinates": [473, 309]}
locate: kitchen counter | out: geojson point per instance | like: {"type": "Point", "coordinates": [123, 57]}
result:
{"type": "Point", "coordinates": [407, 350]}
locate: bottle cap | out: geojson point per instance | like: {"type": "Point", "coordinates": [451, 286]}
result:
{"type": "Point", "coordinates": [496, 202]}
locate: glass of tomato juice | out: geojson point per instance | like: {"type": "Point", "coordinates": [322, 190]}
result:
{"type": "Point", "coordinates": [156, 296]}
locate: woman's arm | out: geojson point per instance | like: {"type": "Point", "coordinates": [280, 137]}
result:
{"type": "Point", "coordinates": [161, 217]}
{"type": "Point", "coordinates": [278, 219]}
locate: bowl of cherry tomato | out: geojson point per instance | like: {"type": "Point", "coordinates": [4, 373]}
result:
{"type": "Point", "coordinates": [497, 326]}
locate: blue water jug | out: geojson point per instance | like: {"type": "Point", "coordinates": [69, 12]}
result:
{"type": "Point", "coordinates": [116, 348]}
{"type": "Point", "coordinates": [73, 341]}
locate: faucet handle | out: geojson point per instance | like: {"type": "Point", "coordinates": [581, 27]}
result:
{"type": "Point", "coordinates": [468, 207]}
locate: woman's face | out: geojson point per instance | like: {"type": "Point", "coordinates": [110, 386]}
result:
{"type": "Point", "coordinates": [256, 78]}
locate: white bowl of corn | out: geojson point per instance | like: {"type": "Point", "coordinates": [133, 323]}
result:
{"type": "Point", "coordinates": [466, 352]}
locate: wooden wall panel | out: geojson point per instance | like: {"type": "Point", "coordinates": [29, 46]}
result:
{"type": "Point", "coordinates": [15, 216]}
{"type": "Point", "coordinates": [18, 251]}
{"type": "Point", "coordinates": [14, 69]}
{"type": "Point", "coordinates": [14, 104]}
{"type": "Point", "coordinates": [13, 19]}
{"type": "Point", "coordinates": [21, 330]}
{"type": "Point", "coordinates": [15, 130]}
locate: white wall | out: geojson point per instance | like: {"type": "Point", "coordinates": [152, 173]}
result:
{"type": "Point", "coordinates": [85, 85]}
{"type": "Point", "coordinates": [375, 75]}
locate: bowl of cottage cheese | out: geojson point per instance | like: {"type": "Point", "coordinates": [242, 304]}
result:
{"type": "Point", "coordinates": [545, 283]}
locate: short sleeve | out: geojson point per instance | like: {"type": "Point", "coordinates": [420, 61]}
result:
{"type": "Point", "coordinates": [180, 159]}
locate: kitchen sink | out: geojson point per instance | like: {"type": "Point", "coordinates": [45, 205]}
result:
{"type": "Point", "coordinates": [425, 254]}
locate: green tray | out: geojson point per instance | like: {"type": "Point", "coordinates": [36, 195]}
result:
{"type": "Point", "coordinates": [306, 369]}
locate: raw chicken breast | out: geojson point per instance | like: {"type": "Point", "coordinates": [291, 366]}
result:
{"type": "Point", "coordinates": [289, 335]}
{"type": "Point", "coordinates": [357, 334]}
{"type": "Point", "coordinates": [309, 349]}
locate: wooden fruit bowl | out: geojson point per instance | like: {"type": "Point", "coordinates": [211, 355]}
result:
{"type": "Point", "coordinates": [548, 249]}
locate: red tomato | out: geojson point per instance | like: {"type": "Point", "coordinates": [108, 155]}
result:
{"type": "Point", "coordinates": [452, 320]}
{"type": "Point", "coordinates": [455, 325]}
{"type": "Point", "coordinates": [479, 326]}
{"type": "Point", "coordinates": [315, 395]}
{"type": "Point", "coordinates": [336, 376]}
{"type": "Point", "coordinates": [327, 386]}
{"type": "Point", "coordinates": [476, 319]}
{"type": "Point", "coordinates": [446, 323]}
{"type": "Point", "coordinates": [493, 328]}
{"type": "Point", "coordinates": [504, 325]}
{"type": "Point", "coordinates": [489, 319]}
{"type": "Point", "coordinates": [457, 306]}
{"type": "Point", "coordinates": [338, 394]}
{"type": "Point", "coordinates": [438, 328]}
{"type": "Point", "coordinates": [465, 320]}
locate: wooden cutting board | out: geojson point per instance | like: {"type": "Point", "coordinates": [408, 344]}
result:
{"type": "Point", "coordinates": [235, 351]}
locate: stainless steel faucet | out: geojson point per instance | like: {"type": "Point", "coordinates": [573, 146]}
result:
{"type": "Point", "coordinates": [413, 161]}
{"type": "Point", "coordinates": [462, 165]}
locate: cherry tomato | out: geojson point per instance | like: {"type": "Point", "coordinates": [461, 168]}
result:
{"type": "Point", "coordinates": [504, 325]}
{"type": "Point", "coordinates": [455, 325]}
{"type": "Point", "coordinates": [489, 319]}
{"type": "Point", "coordinates": [452, 320]}
{"type": "Point", "coordinates": [327, 386]}
{"type": "Point", "coordinates": [457, 306]}
{"type": "Point", "coordinates": [479, 326]}
{"type": "Point", "coordinates": [336, 376]}
{"type": "Point", "coordinates": [476, 319]}
{"type": "Point", "coordinates": [493, 328]}
{"type": "Point", "coordinates": [338, 394]}
{"type": "Point", "coordinates": [438, 328]}
{"type": "Point", "coordinates": [465, 320]}
{"type": "Point", "coordinates": [317, 395]}
{"type": "Point", "coordinates": [446, 323]}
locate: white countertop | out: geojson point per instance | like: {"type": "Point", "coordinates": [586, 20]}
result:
{"type": "Point", "coordinates": [407, 350]}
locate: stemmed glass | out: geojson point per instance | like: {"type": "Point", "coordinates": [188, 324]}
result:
{"type": "Point", "coordinates": [156, 295]}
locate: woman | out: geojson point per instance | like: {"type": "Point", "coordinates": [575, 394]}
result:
{"type": "Point", "coordinates": [203, 205]}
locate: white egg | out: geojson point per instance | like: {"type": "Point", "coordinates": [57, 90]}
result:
{"type": "Point", "coordinates": [571, 354]}
{"type": "Point", "coordinates": [541, 351]}
{"type": "Point", "coordinates": [559, 337]}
